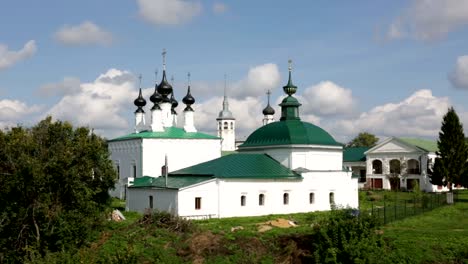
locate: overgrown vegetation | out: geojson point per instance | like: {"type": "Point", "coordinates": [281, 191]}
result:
{"type": "Point", "coordinates": [340, 236]}
{"type": "Point", "coordinates": [54, 188]}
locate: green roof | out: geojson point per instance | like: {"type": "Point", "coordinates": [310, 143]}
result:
{"type": "Point", "coordinates": [169, 132]}
{"type": "Point", "coordinates": [248, 166]}
{"type": "Point", "coordinates": [172, 182]}
{"type": "Point", "coordinates": [354, 154]}
{"type": "Point", "coordinates": [424, 144]}
{"type": "Point", "coordinates": [289, 132]}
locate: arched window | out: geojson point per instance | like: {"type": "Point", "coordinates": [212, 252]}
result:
{"type": "Point", "coordinates": [232, 125]}
{"type": "Point", "coordinates": [220, 125]}
{"type": "Point", "coordinates": [243, 200]}
{"type": "Point", "coordinates": [226, 125]}
{"type": "Point", "coordinates": [413, 167]}
{"type": "Point", "coordinates": [332, 198]}
{"type": "Point", "coordinates": [311, 198]}
{"type": "Point", "coordinates": [286, 198]}
{"type": "Point", "coordinates": [261, 199]}
{"type": "Point", "coordinates": [395, 166]}
{"type": "Point", "coordinates": [377, 167]}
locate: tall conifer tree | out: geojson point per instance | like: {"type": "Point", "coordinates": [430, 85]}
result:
{"type": "Point", "coordinates": [450, 166]}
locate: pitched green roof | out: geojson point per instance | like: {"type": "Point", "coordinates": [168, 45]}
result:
{"type": "Point", "coordinates": [354, 154]}
{"type": "Point", "coordinates": [424, 144]}
{"type": "Point", "coordinates": [248, 166]}
{"type": "Point", "coordinates": [172, 182]}
{"type": "Point", "coordinates": [169, 132]}
{"type": "Point", "coordinates": [289, 132]}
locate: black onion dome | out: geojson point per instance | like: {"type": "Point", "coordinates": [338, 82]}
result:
{"type": "Point", "coordinates": [156, 98]}
{"type": "Point", "coordinates": [140, 102]}
{"type": "Point", "coordinates": [164, 88]}
{"type": "Point", "coordinates": [268, 110]}
{"type": "Point", "coordinates": [174, 101]}
{"type": "Point", "coordinates": [188, 99]}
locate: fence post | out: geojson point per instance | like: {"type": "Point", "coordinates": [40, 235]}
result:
{"type": "Point", "coordinates": [405, 208]}
{"type": "Point", "coordinates": [384, 211]}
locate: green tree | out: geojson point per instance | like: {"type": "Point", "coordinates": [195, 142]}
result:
{"type": "Point", "coordinates": [450, 167]}
{"type": "Point", "coordinates": [364, 139]}
{"type": "Point", "coordinates": [54, 188]}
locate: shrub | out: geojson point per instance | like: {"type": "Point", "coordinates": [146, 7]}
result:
{"type": "Point", "coordinates": [167, 221]}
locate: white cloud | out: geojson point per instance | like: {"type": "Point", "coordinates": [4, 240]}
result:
{"type": "Point", "coordinates": [69, 85]}
{"type": "Point", "coordinates": [103, 104]}
{"type": "Point", "coordinates": [15, 111]}
{"type": "Point", "coordinates": [459, 76]}
{"type": "Point", "coordinates": [419, 115]}
{"type": "Point", "coordinates": [83, 34]}
{"type": "Point", "coordinates": [219, 8]}
{"type": "Point", "coordinates": [430, 19]}
{"type": "Point", "coordinates": [8, 58]}
{"type": "Point", "coordinates": [327, 98]}
{"type": "Point", "coordinates": [168, 12]}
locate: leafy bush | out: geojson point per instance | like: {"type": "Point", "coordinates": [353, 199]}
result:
{"type": "Point", "coordinates": [347, 238]}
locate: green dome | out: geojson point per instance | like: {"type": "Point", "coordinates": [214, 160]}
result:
{"type": "Point", "coordinates": [289, 132]}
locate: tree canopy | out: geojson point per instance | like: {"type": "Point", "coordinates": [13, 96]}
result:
{"type": "Point", "coordinates": [364, 139]}
{"type": "Point", "coordinates": [54, 187]}
{"type": "Point", "coordinates": [451, 165]}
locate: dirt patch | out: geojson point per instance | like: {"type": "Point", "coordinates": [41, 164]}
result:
{"type": "Point", "coordinates": [200, 244]}
{"type": "Point", "coordinates": [280, 222]}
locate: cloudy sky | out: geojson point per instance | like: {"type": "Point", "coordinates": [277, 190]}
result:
{"type": "Point", "coordinates": [390, 68]}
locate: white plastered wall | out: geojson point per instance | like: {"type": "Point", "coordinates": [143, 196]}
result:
{"type": "Point", "coordinates": [163, 200]}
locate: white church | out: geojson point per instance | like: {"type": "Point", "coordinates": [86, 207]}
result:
{"type": "Point", "coordinates": [285, 166]}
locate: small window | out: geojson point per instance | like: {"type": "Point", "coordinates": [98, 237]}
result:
{"type": "Point", "coordinates": [311, 198]}
{"type": "Point", "coordinates": [243, 200]}
{"type": "Point", "coordinates": [220, 125]}
{"type": "Point", "coordinates": [134, 171]}
{"type": "Point", "coordinates": [151, 202]}
{"type": "Point", "coordinates": [197, 203]}
{"type": "Point", "coordinates": [232, 125]}
{"type": "Point", "coordinates": [261, 199]}
{"type": "Point", "coordinates": [118, 171]}
{"type": "Point", "coordinates": [226, 125]}
{"type": "Point", "coordinates": [286, 198]}
{"type": "Point", "coordinates": [332, 198]}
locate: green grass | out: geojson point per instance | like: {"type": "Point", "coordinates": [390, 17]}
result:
{"type": "Point", "coordinates": [438, 236]}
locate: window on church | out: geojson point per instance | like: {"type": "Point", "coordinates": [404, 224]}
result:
{"type": "Point", "coordinates": [243, 200]}
{"type": "Point", "coordinates": [311, 198]}
{"type": "Point", "coordinates": [226, 125]}
{"type": "Point", "coordinates": [286, 198]}
{"type": "Point", "coordinates": [261, 199]}
{"type": "Point", "coordinates": [232, 125]}
{"type": "Point", "coordinates": [413, 167]}
{"type": "Point", "coordinates": [332, 198]}
{"type": "Point", "coordinates": [118, 171]}
{"type": "Point", "coordinates": [197, 203]}
{"type": "Point", "coordinates": [134, 173]}
{"type": "Point", "coordinates": [151, 202]}
{"type": "Point", "coordinates": [220, 125]}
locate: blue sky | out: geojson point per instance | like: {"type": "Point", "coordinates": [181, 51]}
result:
{"type": "Point", "coordinates": [391, 68]}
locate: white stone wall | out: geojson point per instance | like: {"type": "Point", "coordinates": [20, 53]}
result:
{"type": "Point", "coordinates": [222, 197]}
{"type": "Point", "coordinates": [227, 135]}
{"type": "Point", "coordinates": [125, 154]}
{"type": "Point", "coordinates": [181, 153]}
{"type": "Point", "coordinates": [163, 200]}
{"type": "Point", "coordinates": [149, 156]}
{"type": "Point", "coordinates": [310, 157]}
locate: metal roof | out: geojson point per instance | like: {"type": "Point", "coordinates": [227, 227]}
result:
{"type": "Point", "coordinates": [172, 182]}
{"type": "Point", "coordinates": [169, 132]}
{"type": "Point", "coordinates": [240, 166]}
{"type": "Point", "coordinates": [289, 132]}
{"type": "Point", "coordinates": [354, 154]}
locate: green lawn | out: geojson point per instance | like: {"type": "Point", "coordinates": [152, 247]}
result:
{"type": "Point", "coordinates": [438, 236]}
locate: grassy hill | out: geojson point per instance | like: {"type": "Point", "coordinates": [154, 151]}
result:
{"type": "Point", "coordinates": [438, 236]}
